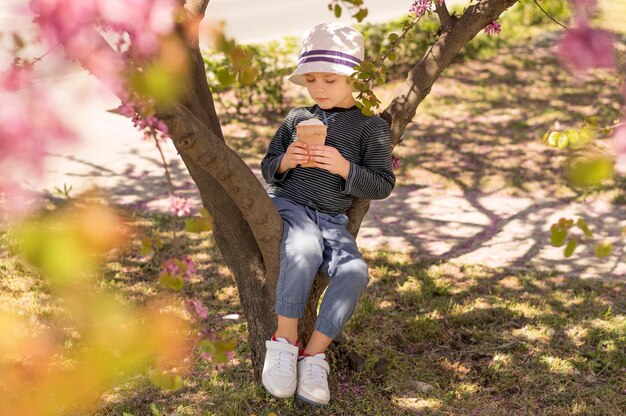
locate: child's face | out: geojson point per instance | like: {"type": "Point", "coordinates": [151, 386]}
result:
{"type": "Point", "coordinates": [329, 90]}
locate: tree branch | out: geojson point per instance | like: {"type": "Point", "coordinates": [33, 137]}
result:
{"type": "Point", "coordinates": [196, 7]}
{"type": "Point", "coordinates": [214, 157]}
{"type": "Point", "coordinates": [548, 14]}
{"type": "Point", "coordinates": [423, 75]}
{"type": "Point", "coordinates": [446, 20]}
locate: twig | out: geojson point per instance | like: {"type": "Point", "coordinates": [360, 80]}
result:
{"type": "Point", "coordinates": [547, 14]}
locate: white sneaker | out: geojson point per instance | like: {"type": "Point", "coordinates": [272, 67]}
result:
{"type": "Point", "coordinates": [313, 379]}
{"type": "Point", "coordinates": [279, 369]}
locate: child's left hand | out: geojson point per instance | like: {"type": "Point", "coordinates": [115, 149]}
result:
{"type": "Point", "coordinates": [329, 158]}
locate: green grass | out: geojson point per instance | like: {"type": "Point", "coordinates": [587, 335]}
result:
{"type": "Point", "coordinates": [488, 342]}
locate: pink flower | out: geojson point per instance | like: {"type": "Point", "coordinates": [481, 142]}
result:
{"type": "Point", "coordinates": [419, 7]}
{"type": "Point", "coordinates": [171, 266]}
{"type": "Point", "coordinates": [619, 144]}
{"type": "Point", "coordinates": [584, 48]}
{"type": "Point", "coordinates": [583, 9]}
{"type": "Point", "coordinates": [195, 308]}
{"type": "Point", "coordinates": [493, 28]}
{"type": "Point", "coordinates": [395, 162]}
{"type": "Point", "coordinates": [180, 206]}
{"type": "Point", "coordinates": [190, 267]}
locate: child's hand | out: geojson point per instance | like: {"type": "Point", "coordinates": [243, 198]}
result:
{"type": "Point", "coordinates": [329, 158]}
{"type": "Point", "coordinates": [297, 153]}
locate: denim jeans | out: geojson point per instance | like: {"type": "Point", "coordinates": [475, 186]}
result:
{"type": "Point", "coordinates": [313, 241]}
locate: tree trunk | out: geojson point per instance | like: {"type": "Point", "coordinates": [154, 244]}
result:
{"type": "Point", "coordinates": [247, 227]}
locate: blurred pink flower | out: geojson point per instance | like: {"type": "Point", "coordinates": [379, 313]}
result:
{"type": "Point", "coordinates": [395, 162]}
{"type": "Point", "coordinates": [419, 7]}
{"type": "Point", "coordinates": [180, 206]}
{"type": "Point", "coordinates": [619, 144]}
{"type": "Point", "coordinates": [583, 9]}
{"type": "Point", "coordinates": [195, 307]}
{"type": "Point", "coordinates": [584, 48]}
{"type": "Point", "coordinates": [71, 22]}
{"type": "Point", "coordinates": [190, 267]}
{"type": "Point", "coordinates": [29, 126]}
{"type": "Point", "coordinates": [493, 28]}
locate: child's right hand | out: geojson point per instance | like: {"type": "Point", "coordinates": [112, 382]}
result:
{"type": "Point", "coordinates": [297, 153]}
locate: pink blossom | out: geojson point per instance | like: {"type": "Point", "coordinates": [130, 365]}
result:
{"type": "Point", "coordinates": [395, 162]}
{"type": "Point", "coordinates": [190, 267]}
{"type": "Point", "coordinates": [419, 7]}
{"type": "Point", "coordinates": [493, 28]}
{"type": "Point", "coordinates": [583, 9]}
{"type": "Point", "coordinates": [180, 206]}
{"type": "Point", "coordinates": [15, 77]}
{"type": "Point", "coordinates": [71, 21]}
{"type": "Point", "coordinates": [619, 144]}
{"type": "Point", "coordinates": [195, 308]}
{"type": "Point", "coordinates": [28, 124]}
{"type": "Point", "coordinates": [171, 266]}
{"type": "Point", "coordinates": [584, 48]}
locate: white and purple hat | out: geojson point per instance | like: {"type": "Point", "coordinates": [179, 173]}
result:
{"type": "Point", "coordinates": [329, 47]}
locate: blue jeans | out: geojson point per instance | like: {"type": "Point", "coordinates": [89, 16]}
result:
{"type": "Point", "coordinates": [314, 241]}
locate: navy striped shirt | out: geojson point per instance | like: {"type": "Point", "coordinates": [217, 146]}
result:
{"type": "Point", "coordinates": [365, 141]}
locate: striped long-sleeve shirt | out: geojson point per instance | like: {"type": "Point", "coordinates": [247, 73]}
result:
{"type": "Point", "coordinates": [362, 140]}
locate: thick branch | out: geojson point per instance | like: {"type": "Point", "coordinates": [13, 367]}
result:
{"type": "Point", "coordinates": [446, 20]}
{"type": "Point", "coordinates": [196, 7]}
{"type": "Point", "coordinates": [423, 75]}
{"type": "Point", "coordinates": [214, 157]}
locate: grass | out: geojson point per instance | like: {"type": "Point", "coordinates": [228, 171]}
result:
{"type": "Point", "coordinates": [453, 339]}
{"type": "Point", "coordinates": [437, 338]}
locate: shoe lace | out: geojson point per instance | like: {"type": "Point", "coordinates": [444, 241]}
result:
{"type": "Point", "coordinates": [284, 362]}
{"type": "Point", "coordinates": [317, 373]}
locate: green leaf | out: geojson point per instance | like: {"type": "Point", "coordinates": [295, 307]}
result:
{"type": "Point", "coordinates": [249, 76]}
{"type": "Point", "coordinates": [146, 247]}
{"type": "Point", "coordinates": [553, 138]}
{"type": "Point", "coordinates": [582, 224]}
{"type": "Point", "coordinates": [558, 237]}
{"type": "Point", "coordinates": [226, 77]}
{"type": "Point", "coordinates": [165, 381]}
{"type": "Point", "coordinates": [155, 411]}
{"type": "Point", "coordinates": [603, 249]}
{"type": "Point", "coordinates": [590, 170]}
{"type": "Point", "coordinates": [592, 121]}
{"type": "Point", "coordinates": [337, 11]}
{"type": "Point", "coordinates": [562, 141]}
{"type": "Point", "coordinates": [393, 37]}
{"type": "Point", "coordinates": [171, 282]}
{"type": "Point", "coordinates": [570, 247]}
{"type": "Point", "coordinates": [197, 224]}
{"type": "Point", "coordinates": [207, 346]}
{"type": "Point", "coordinates": [362, 14]}
{"type": "Point", "coordinates": [573, 137]}
{"type": "Point", "coordinates": [392, 56]}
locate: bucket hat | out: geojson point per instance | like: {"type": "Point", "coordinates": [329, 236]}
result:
{"type": "Point", "coordinates": [329, 47]}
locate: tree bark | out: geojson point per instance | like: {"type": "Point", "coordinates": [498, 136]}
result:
{"type": "Point", "coordinates": [247, 227]}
